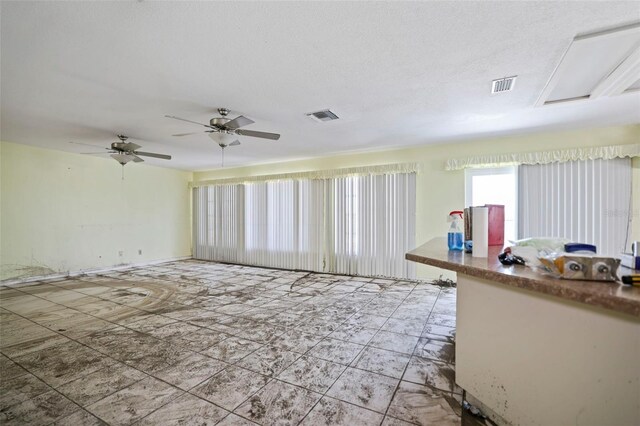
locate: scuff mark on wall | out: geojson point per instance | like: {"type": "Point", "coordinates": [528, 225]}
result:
{"type": "Point", "coordinates": [14, 271]}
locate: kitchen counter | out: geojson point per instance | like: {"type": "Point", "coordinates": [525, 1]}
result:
{"type": "Point", "coordinates": [607, 295]}
{"type": "Point", "coordinates": [536, 350]}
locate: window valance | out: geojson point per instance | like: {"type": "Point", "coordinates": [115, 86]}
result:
{"type": "Point", "coordinates": [545, 157]}
{"type": "Point", "coordinates": [383, 169]}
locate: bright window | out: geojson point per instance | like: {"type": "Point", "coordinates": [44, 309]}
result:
{"type": "Point", "coordinates": [495, 186]}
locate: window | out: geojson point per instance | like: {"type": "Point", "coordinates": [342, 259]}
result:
{"type": "Point", "coordinates": [373, 225]}
{"type": "Point", "coordinates": [218, 226]}
{"type": "Point", "coordinates": [283, 224]}
{"type": "Point", "coordinates": [495, 186]}
{"type": "Point", "coordinates": [361, 225]}
{"type": "Point", "coordinates": [587, 201]}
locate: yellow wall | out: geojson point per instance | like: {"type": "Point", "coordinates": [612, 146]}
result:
{"type": "Point", "coordinates": [440, 191]}
{"type": "Point", "coordinates": [67, 212]}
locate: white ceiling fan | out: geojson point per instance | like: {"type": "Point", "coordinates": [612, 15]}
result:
{"type": "Point", "coordinates": [124, 152]}
{"type": "Point", "coordinates": [224, 130]}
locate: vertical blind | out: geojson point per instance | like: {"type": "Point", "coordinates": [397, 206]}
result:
{"type": "Point", "coordinates": [218, 231]}
{"type": "Point", "coordinates": [374, 225]}
{"type": "Point", "coordinates": [360, 225]}
{"type": "Point", "coordinates": [283, 222]}
{"type": "Point", "coordinates": [586, 201]}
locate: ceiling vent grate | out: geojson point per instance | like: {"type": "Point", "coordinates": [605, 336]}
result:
{"type": "Point", "coordinates": [321, 116]}
{"type": "Point", "coordinates": [503, 85]}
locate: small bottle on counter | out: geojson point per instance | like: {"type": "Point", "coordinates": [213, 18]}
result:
{"type": "Point", "coordinates": [455, 236]}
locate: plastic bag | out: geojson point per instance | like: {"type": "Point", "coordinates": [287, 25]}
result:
{"type": "Point", "coordinates": [530, 249]}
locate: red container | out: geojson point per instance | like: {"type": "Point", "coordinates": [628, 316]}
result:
{"type": "Point", "coordinates": [496, 224]}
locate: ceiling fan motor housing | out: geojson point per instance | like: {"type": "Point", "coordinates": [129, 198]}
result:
{"type": "Point", "coordinates": [219, 121]}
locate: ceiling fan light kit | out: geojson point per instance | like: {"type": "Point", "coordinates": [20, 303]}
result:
{"type": "Point", "coordinates": [224, 139]}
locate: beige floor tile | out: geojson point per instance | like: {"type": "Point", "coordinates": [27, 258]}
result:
{"type": "Point", "coordinates": [332, 412]}
{"type": "Point", "coordinates": [63, 363]}
{"type": "Point", "coordinates": [19, 389]}
{"type": "Point", "coordinates": [232, 349]}
{"type": "Point", "coordinates": [312, 373]}
{"type": "Point", "coordinates": [423, 405]}
{"type": "Point", "coordinates": [337, 351]}
{"type": "Point", "coordinates": [95, 386]}
{"type": "Point", "coordinates": [231, 387]}
{"type": "Point", "coordinates": [278, 403]}
{"type": "Point", "coordinates": [268, 360]}
{"type": "Point", "coordinates": [80, 418]}
{"type": "Point", "coordinates": [134, 402]}
{"type": "Point", "coordinates": [426, 371]}
{"type": "Point", "coordinates": [190, 371]}
{"type": "Point", "coordinates": [40, 410]}
{"type": "Point", "coordinates": [235, 420]}
{"type": "Point", "coordinates": [365, 389]}
{"type": "Point", "coordinates": [185, 410]}
{"type": "Point", "coordinates": [381, 361]}
{"type": "Point", "coordinates": [394, 342]}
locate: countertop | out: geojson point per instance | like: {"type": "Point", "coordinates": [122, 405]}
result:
{"type": "Point", "coordinates": [608, 295]}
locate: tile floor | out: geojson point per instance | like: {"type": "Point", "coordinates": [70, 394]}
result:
{"type": "Point", "coordinates": [204, 343]}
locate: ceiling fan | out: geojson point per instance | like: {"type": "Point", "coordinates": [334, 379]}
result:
{"type": "Point", "coordinates": [223, 130]}
{"type": "Point", "coordinates": [124, 151]}
{"type": "Point", "coordinates": [224, 125]}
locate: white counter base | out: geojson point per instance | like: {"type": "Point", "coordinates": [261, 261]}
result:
{"type": "Point", "coordinates": [539, 360]}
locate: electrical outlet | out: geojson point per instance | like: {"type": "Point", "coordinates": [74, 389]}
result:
{"type": "Point", "coordinates": [121, 253]}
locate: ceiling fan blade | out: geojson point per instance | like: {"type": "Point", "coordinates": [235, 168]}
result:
{"type": "Point", "coordinates": [137, 159]}
{"type": "Point", "coordinates": [253, 133]}
{"type": "Point", "coordinates": [152, 154]}
{"type": "Point", "coordinates": [234, 143]}
{"type": "Point", "coordinates": [184, 119]}
{"type": "Point", "coordinates": [238, 122]}
{"type": "Point", "coordinates": [129, 146]}
{"type": "Point", "coordinates": [94, 153]}
{"type": "Point", "coordinates": [187, 134]}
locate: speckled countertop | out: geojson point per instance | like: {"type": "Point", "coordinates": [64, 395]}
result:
{"type": "Point", "coordinates": [607, 295]}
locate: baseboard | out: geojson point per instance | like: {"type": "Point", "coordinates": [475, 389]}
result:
{"type": "Point", "coordinates": [17, 281]}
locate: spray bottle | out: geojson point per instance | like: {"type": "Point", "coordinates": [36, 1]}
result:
{"type": "Point", "coordinates": [455, 235]}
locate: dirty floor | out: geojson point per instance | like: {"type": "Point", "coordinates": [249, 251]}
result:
{"type": "Point", "coordinates": [204, 343]}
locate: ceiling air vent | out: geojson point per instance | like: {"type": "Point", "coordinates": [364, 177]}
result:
{"type": "Point", "coordinates": [324, 115]}
{"type": "Point", "coordinates": [503, 84]}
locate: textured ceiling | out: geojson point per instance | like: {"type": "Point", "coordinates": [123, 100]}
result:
{"type": "Point", "coordinates": [397, 73]}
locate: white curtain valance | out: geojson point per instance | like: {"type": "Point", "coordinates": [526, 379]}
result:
{"type": "Point", "coordinates": [545, 157]}
{"type": "Point", "coordinates": [383, 169]}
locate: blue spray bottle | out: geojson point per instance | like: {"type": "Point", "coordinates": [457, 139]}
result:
{"type": "Point", "coordinates": [455, 235]}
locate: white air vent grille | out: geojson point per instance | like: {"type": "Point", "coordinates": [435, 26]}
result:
{"type": "Point", "coordinates": [503, 84]}
{"type": "Point", "coordinates": [324, 115]}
